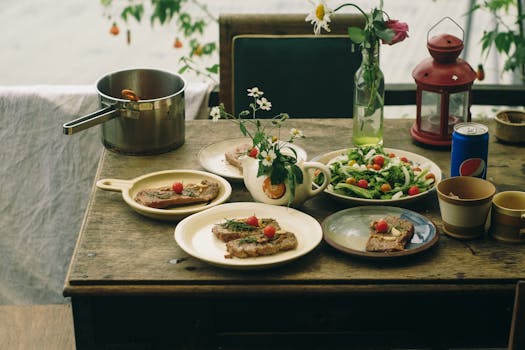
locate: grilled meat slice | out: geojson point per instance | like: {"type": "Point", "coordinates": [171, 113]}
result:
{"type": "Point", "coordinates": [234, 156]}
{"type": "Point", "coordinates": [261, 245]}
{"type": "Point", "coordinates": [165, 197]}
{"type": "Point", "coordinates": [399, 233]}
{"type": "Point", "coordinates": [237, 228]}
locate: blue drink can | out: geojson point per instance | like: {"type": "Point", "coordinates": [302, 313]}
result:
{"type": "Point", "coordinates": [470, 146]}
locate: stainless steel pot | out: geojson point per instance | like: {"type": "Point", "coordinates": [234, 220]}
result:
{"type": "Point", "coordinates": [154, 124]}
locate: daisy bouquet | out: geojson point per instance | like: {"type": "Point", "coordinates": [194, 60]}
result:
{"type": "Point", "coordinates": [267, 147]}
{"type": "Point", "coordinates": [379, 27]}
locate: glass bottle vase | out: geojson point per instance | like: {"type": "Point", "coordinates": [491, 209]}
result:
{"type": "Point", "coordinates": [369, 92]}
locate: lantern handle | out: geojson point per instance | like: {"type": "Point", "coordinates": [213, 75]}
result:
{"type": "Point", "coordinates": [441, 20]}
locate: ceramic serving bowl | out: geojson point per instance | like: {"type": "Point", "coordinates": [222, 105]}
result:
{"type": "Point", "coordinates": [510, 126]}
{"type": "Point", "coordinates": [465, 202]}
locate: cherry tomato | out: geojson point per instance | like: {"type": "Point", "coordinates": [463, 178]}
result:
{"type": "Point", "coordinates": [269, 231]}
{"type": "Point", "coordinates": [381, 226]}
{"type": "Point", "coordinates": [404, 159]}
{"type": "Point", "coordinates": [351, 180]}
{"type": "Point", "coordinates": [253, 152]}
{"type": "Point", "coordinates": [379, 160]}
{"type": "Point", "coordinates": [362, 183]}
{"type": "Point", "coordinates": [177, 187]}
{"type": "Point", "coordinates": [376, 167]}
{"type": "Point", "coordinates": [412, 191]}
{"type": "Point", "coordinates": [386, 187]}
{"type": "Point", "coordinates": [252, 221]}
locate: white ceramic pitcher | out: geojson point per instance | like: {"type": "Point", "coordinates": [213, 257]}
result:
{"type": "Point", "coordinates": [263, 191]}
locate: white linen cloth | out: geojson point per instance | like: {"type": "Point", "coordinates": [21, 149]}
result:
{"type": "Point", "coordinates": [46, 179]}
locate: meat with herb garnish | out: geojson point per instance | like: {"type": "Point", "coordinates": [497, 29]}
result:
{"type": "Point", "coordinates": [389, 234]}
{"type": "Point", "coordinates": [178, 194]}
{"type": "Point", "coordinates": [232, 229]}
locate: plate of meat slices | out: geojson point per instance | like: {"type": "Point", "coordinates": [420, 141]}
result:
{"type": "Point", "coordinates": [171, 194]}
{"type": "Point", "coordinates": [379, 232]}
{"type": "Point", "coordinates": [224, 158]}
{"type": "Point", "coordinates": [248, 236]}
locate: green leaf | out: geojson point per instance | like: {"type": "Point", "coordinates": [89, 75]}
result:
{"type": "Point", "coordinates": [279, 173]}
{"type": "Point", "coordinates": [183, 69]}
{"type": "Point", "coordinates": [357, 35]}
{"type": "Point", "coordinates": [387, 34]}
{"type": "Point", "coordinates": [134, 11]}
{"type": "Point", "coordinates": [298, 174]}
{"type": "Point", "coordinates": [503, 42]}
{"type": "Point", "coordinates": [215, 69]}
{"type": "Point", "coordinates": [208, 48]}
{"type": "Point", "coordinates": [243, 129]}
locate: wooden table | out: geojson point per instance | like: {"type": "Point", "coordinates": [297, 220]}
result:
{"type": "Point", "coordinates": [130, 283]}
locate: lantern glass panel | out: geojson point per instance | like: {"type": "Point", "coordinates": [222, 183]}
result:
{"type": "Point", "coordinates": [430, 111]}
{"type": "Point", "coordinates": [458, 108]}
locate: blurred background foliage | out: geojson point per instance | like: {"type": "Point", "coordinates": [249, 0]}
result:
{"type": "Point", "coordinates": [190, 19]}
{"type": "Point", "coordinates": [507, 35]}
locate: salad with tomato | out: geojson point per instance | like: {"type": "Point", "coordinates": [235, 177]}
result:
{"type": "Point", "coordinates": [371, 173]}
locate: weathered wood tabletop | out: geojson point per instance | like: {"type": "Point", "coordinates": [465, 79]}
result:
{"type": "Point", "coordinates": [122, 252]}
{"type": "Point", "coordinates": [130, 283]}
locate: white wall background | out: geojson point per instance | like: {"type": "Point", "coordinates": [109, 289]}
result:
{"type": "Point", "coordinates": [67, 41]}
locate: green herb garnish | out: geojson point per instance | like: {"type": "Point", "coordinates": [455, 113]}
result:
{"type": "Point", "coordinates": [238, 225]}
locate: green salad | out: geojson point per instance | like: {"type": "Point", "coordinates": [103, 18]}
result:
{"type": "Point", "coordinates": [371, 173]}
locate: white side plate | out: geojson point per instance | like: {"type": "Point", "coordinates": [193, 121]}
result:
{"type": "Point", "coordinates": [195, 237]}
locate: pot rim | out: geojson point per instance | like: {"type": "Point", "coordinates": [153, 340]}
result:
{"type": "Point", "coordinates": [123, 100]}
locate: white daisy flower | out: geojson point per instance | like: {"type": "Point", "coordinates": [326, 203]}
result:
{"type": "Point", "coordinates": [264, 104]}
{"type": "Point", "coordinates": [215, 113]}
{"type": "Point", "coordinates": [268, 157]}
{"type": "Point", "coordinates": [320, 16]}
{"type": "Point", "coordinates": [296, 133]}
{"type": "Point", "coordinates": [255, 92]}
{"type": "Point", "coordinates": [273, 140]}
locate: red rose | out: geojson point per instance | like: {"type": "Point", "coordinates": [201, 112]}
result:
{"type": "Point", "coordinates": [400, 31]}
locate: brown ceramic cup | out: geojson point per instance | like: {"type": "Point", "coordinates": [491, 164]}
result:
{"type": "Point", "coordinates": [464, 203]}
{"type": "Point", "coordinates": [508, 217]}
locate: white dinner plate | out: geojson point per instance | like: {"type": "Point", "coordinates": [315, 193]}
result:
{"type": "Point", "coordinates": [348, 231]}
{"type": "Point", "coordinates": [130, 188]}
{"type": "Point", "coordinates": [416, 158]}
{"type": "Point", "coordinates": [195, 237]}
{"type": "Point", "coordinates": [212, 158]}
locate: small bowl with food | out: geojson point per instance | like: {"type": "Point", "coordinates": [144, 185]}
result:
{"type": "Point", "coordinates": [464, 203]}
{"type": "Point", "coordinates": [510, 126]}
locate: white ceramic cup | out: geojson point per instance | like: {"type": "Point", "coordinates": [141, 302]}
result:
{"type": "Point", "coordinates": [464, 203]}
{"type": "Point", "coordinates": [508, 217]}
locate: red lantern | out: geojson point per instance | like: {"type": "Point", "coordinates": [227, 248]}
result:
{"type": "Point", "coordinates": [444, 89]}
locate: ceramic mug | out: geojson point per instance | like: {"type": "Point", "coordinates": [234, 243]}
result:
{"type": "Point", "coordinates": [464, 203]}
{"type": "Point", "coordinates": [508, 216]}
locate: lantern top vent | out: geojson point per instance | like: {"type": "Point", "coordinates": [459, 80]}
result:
{"type": "Point", "coordinates": [445, 48]}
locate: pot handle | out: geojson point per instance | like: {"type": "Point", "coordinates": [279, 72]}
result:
{"type": "Point", "coordinates": [90, 120]}
{"type": "Point", "coordinates": [114, 185]}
